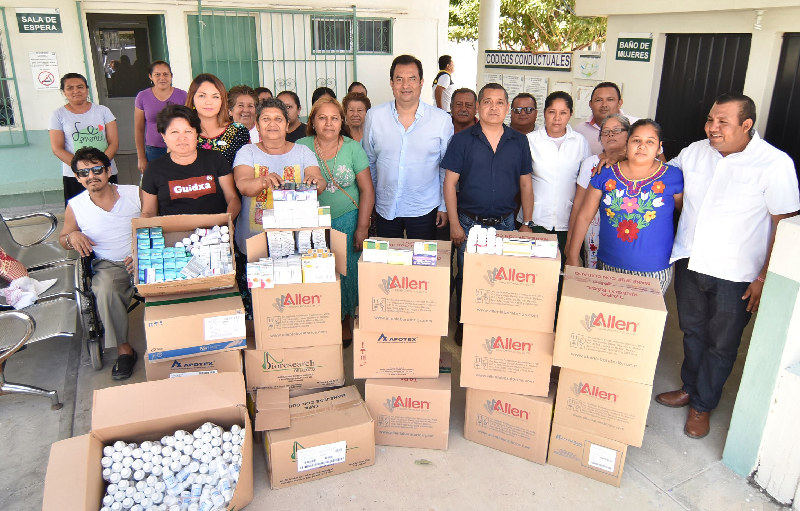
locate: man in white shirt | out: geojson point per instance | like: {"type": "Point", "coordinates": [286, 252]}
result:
{"type": "Point", "coordinates": [737, 187]}
{"type": "Point", "coordinates": [443, 85]}
{"type": "Point", "coordinates": [98, 221]}
{"type": "Point", "coordinates": [605, 100]}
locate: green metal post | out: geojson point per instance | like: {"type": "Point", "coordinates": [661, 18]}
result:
{"type": "Point", "coordinates": [355, 46]}
{"type": "Point", "coordinates": [16, 86]}
{"type": "Point", "coordinates": [83, 47]}
{"type": "Point", "coordinates": [200, 34]}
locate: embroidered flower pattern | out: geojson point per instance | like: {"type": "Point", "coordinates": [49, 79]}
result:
{"type": "Point", "coordinates": [627, 230]}
{"type": "Point", "coordinates": [629, 205]}
{"type": "Point", "coordinates": [610, 185]}
{"type": "Point", "coordinates": [649, 215]}
{"type": "Point", "coordinates": [658, 187]}
{"type": "Point", "coordinates": [629, 208]}
{"type": "Point", "coordinates": [610, 213]}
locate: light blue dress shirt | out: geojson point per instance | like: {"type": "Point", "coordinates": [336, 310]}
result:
{"type": "Point", "coordinates": [405, 163]}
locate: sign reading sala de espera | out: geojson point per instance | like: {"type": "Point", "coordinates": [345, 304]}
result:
{"type": "Point", "coordinates": [38, 21]}
{"type": "Point", "coordinates": [547, 61]}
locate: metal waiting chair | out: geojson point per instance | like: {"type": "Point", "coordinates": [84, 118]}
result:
{"type": "Point", "coordinates": [39, 254]}
{"type": "Point", "coordinates": [56, 318]}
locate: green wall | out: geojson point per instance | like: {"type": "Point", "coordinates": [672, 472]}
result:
{"type": "Point", "coordinates": [30, 175]}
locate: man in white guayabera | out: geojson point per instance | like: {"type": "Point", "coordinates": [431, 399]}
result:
{"type": "Point", "coordinates": [99, 220]}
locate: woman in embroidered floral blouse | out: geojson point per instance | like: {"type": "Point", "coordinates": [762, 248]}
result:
{"type": "Point", "coordinates": [208, 96]}
{"type": "Point", "coordinates": [639, 197]}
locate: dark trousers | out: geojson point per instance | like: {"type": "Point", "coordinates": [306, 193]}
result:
{"type": "Point", "coordinates": [73, 187]}
{"type": "Point", "coordinates": [415, 227]}
{"type": "Point", "coordinates": [712, 316]}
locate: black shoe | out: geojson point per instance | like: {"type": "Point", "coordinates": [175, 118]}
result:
{"type": "Point", "coordinates": [459, 335]}
{"type": "Point", "coordinates": [346, 343]}
{"type": "Point", "coordinates": [124, 367]}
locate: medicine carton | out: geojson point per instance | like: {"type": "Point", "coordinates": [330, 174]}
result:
{"type": "Point", "coordinates": [587, 454]}
{"type": "Point", "coordinates": [212, 363]}
{"type": "Point", "coordinates": [272, 409]}
{"type": "Point", "coordinates": [142, 411]}
{"type": "Point", "coordinates": [394, 355]}
{"type": "Point", "coordinates": [313, 367]}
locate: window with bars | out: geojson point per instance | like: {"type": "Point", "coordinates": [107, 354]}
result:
{"type": "Point", "coordinates": [12, 128]}
{"type": "Point", "coordinates": [335, 35]}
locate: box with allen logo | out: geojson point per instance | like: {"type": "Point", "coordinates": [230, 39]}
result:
{"type": "Point", "coordinates": [509, 290]}
{"type": "Point", "coordinates": [512, 423]}
{"type": "Point", "coordinates": [610, 324]}
{"type": "Point", "coordinates": [218, 362]}
{"type": "Point", "coordinates": [405, 298]}
{"type": "Point", "coordinates": [506, 360]}
{"type": "Point", "coordinates": [412, 412]}
{"type": "Point", "coordinates": [312, 367]}
{"type": "Point", "coordinates": [298, 315]}
{"type": "Point", "coordinates": [393, 355]}
{"type": "Point", "coordinates": [608, 407]}
{"type": "Point", "coordinates": [587, 454]}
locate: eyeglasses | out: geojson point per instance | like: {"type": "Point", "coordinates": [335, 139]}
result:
{"type": "Point", "coordinates": [615, 131]}
{"type": "Point", "coordinates": [99, 169]}
{"type": "Point", "coordinates": [520, 109]}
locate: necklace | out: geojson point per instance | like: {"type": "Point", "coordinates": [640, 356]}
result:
{"type": "Point", "coordinates": [332, 185]}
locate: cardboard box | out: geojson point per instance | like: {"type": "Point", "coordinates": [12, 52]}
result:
{"type": "Point", "coordinates": [589, 455]}
{"type": "Point", "coordinates": [411, 412]}
{"type": "Point", "coordinates": [298, 315]}
{"type": "Point", "coordinates": [392, 355]}
{"type": "Point", "coordinates": [146, 411]}
{"type": "Point", "coordinates": [512, 423]}
{"type": "Point", "coordinates": [608, 407]}
{"type": "Point", "coordinates": [410, 299]}
{"type": "Point", "coordinates": [194, 324]}
{"type": "Point", "coordinates": [610, 324]}
{"type": "Point", "coordinates": [212, 363]}
{"type": "Point", "coordinates": [175, 228]}
{"type": "Point", "coordinates": [506, 360]}
{"type": "Point", "coordinates": [331, 433]}
{"type": "Point", "coordinates": [295, 368]}
{"type": "Point", "coordinates": [272, 409]}
{"type": "Point", "coordinates": [508, 290]}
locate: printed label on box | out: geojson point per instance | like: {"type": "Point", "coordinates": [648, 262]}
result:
{"type": "Point", "coordinates": [602, 457]}
{"type": "Point", "coordinates": [181, 375]}
{"type": "Point", "coordinates": [321, 456]}
{"type": "Point", "coordinates": [224, 327]}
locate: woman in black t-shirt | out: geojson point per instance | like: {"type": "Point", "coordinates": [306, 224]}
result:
{"type": "Point", "coordinates": [187, 180]}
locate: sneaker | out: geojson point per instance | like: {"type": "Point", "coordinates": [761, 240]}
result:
{"type": "Point", "coordinates": [124, 367]}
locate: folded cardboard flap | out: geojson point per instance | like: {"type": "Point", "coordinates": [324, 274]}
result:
{"type": "Point", "coordinates": [272, 409]}
{"type": "Point", "coordinates": [614, 288]}
{"type": "Point", "coordinates": [346, 400]}
{"type": "Point", "coordinates": [74, 476]}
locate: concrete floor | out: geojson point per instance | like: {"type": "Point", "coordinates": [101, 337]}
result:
{"type": "Point", "coordinates": [670, 472]}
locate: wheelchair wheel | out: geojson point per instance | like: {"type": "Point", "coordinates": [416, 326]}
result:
{"type": "Point", "coordinates": [95, 353]}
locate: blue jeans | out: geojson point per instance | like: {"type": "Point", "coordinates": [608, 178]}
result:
{"type": "Point", "coordinates": [466, 223]}
{"type": "Point", "coordinates": [712, 316]}
{"type": "Point", "coordinates": [152, 152]}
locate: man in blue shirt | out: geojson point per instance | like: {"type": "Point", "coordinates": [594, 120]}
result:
{"type": "Point", "coordinates": [490, 163]}
{"type": "Point", "coordinates": [405, 141]}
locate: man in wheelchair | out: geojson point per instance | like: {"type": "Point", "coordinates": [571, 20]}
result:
{"type": "Point", "coordinates": [98, 221]}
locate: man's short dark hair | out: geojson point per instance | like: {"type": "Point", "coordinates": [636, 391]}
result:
{"type": "Point", "coordinates": [403, 60]}
{"type": "Point", "coordinates": [293, 95]}
{"type": "Point", "coordinates": [260, 90]}
{"type": "Point", "coordinates": [464, 90]}
{"type": "Point", "coordinates": [172, 112]}
{"type": "Point", "coordinates": [91, 154]}
{"type": "Point", "coordinates": [444, 61]}
{"type": "Point", "coordinates": [559, 94]}
{"type": "Point", "coordinates": [525, 95]}
{"type": "Point", "coordinates": [354, 85]}
{"type": "Point", "coordinates": [748, 106]}
{"type": "Point", "coordinates": [606, 85]}
{"type": "Point", "coordinates": [492, 86]}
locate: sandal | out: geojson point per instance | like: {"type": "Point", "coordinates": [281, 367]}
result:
{"type": "Point", "coordinates": [124, 367]}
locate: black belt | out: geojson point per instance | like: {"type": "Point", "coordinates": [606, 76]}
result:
{"type": "Point", "coordinates": [488, 222]}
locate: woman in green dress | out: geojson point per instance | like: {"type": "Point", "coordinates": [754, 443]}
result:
{"type": "Point", "coordinates": [349, 191]}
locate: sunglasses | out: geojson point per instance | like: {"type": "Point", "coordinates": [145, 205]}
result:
{"type": "Point", "coordinates": [99, 169]}
{"type": "Point", "coordinates": [520, 109]}
{"type": "Point", "coordinates": [615, 131]}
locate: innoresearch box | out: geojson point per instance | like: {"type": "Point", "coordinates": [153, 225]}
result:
{"type": "Point", "coordinates": [194, 324]}
{"type": "Point", "coordinates": [587, 454]}
{"type": "Point", "coordinates": [394, 355]}
{"type": "Point", "coordinates": [608, 407]}
{"type": "Point", "coordinates": [412, 299]}
{"type": "Point", "coordinates": [412, 412]}
{"type": "Point", "coordinates": [331, 433]}
{"type": "Point", "coordinates": [512, 423]}
{"type": "Point", "coordinates": [313, 367]}
{"type": "Point", "coordinates": [610, 324]}
{"type": "Point", "coordinates": [298, 315]}
{"type": "Point", "coordinates": [506, 360]}
{"type": "Point", "coordinates": [146, 411]}
{"type": "Point", "coordinates": [510, 290]}
{"type": "Point", "coordinates": [211, 363]}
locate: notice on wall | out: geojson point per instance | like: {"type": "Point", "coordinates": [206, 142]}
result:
{"type": "Point", "coordinates": [38, 21]}
{"type": "Point", "coordinates": [514, 84]}
{"type": "Point", "coordinates": [44, 67]}
{"type": "Point", "coordinates": [563, 86]}
{"type": "Point", "coordinates": [492, 78]}
{"type": "Point", "coordinates": [582, 98]}
{"type": "Point", "coordinates": [589, 65]}
{"type": "Point", "coordinates": [634, 47]}
{"type": "Point", "coordinates": [547, 61]}
{"type": "Point", "coordinates": [537, 87]}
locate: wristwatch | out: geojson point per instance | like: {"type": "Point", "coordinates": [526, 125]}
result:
{"type": "Point", "coordinates": [528, 224]}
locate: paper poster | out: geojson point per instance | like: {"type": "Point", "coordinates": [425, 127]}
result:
{"type": "Point", "coordinates": [514, 84]}
{"type": "Point", "coordinates": [582, 98]}
{"type": "Point", "coordinates": [563, 86]}
{"type": "Point", "coordinates": [589, 65]}
{"type": "Point", "coordinates": [44, 67]}
{"type": "Point", "coordinates": [492, 78]}
{"type": "Point", "coordinates": [537, 87]}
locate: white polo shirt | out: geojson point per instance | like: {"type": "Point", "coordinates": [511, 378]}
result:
{"type": "Point", "coordinates": [555, 172]}
{"type": "Point", "coordinates": [591, 131]}
{"type": "Point", "coordinates": [725, 224]}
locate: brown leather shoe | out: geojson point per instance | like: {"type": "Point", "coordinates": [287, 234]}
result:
{"type": "Point", "coordinates": [697, 424]}
{"type": "Point", "coordinates": [674, 399]}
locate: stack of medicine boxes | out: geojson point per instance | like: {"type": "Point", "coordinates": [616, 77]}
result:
{"type": "Point", "coordinates": [404, 288]}
{"type": "Point", "coordinates": [194, 318]}
{"type": "Point", "coordinates": [508, 307]}
{"type": "Point", "coordinates": [292, 275]}
{"type": "Point", "coordinates": [608, 338]}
